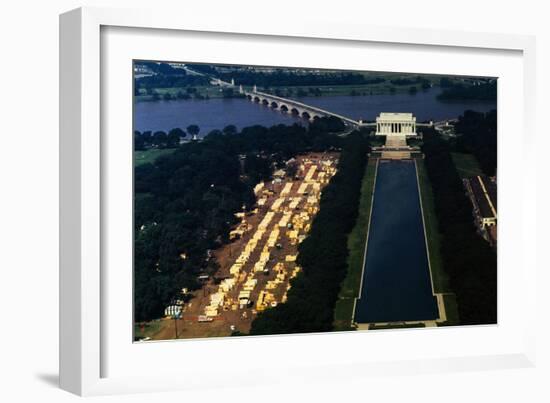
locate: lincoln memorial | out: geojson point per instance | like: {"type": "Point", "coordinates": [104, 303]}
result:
{"type": "Point", "coordinates": [395, 124]}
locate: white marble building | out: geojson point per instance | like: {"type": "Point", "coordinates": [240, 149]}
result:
{"type": "Point", "coordinates": [395, 124]}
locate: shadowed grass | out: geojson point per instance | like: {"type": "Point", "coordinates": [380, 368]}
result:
{"type": "Point", "coordinates": [351, 286]}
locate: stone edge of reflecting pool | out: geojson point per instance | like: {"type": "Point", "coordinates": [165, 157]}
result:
{"type": "Point", "coordinates": [429, 310]}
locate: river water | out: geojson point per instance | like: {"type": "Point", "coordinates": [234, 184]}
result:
{"type": "Point", "coordinates": [396, 280]}
{"type": "Point", "coordinates": [217, 113]}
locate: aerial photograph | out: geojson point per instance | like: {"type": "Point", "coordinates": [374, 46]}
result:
{"type": "Point", "coordinates": [281, 200]}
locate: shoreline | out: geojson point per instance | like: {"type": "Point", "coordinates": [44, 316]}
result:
{"type": "Point", "coordinates": [325, 91]}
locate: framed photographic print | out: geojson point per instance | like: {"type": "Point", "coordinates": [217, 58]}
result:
{"type": "Point", "coordinates": [317, 197]}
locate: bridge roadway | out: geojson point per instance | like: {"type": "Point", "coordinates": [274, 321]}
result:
{"type": "Point", "coordinates": [301, 109]}
{"type": "Point", "coordinates": [311, 112]}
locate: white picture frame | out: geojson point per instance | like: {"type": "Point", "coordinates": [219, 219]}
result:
{"type": "Point", "coordinates": [84, 162]}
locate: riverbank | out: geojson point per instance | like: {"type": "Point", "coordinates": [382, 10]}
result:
{"type": "Point", "coordinates": [216, 113]}
{"type": "Point", "coordinates": [295, 92]}
{"type": "Point", "coordinates": [187, 93]}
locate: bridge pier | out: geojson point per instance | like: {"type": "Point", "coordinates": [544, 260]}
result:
{"type": "Point", "coordinates": [293, 107]}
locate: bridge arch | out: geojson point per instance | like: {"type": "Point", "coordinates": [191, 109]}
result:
{"type": "Point", "coordinates": [292, 107]}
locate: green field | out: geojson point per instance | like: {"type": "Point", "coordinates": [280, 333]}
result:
{"type": "Point", "coordinates": [439, 276]}
{"type": "Point", "coordinates": [466, 165]}
{"type": "Point", "coordinates": [291, 91]}
{"type": "Point", "coordinates": [351, 286]}
{"type": "Point", "coordinates": [209, 91]}
{"type": "Point", "coordinates": [148, 156]}
{"type": "Point", "coordinates": [142, 330]}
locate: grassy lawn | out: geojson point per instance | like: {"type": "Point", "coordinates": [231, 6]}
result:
{"type": "Point", "coordinates": [148, 156]}
{"type": "Point", "coordinates": [147, 329]}
{"type": "Point", "coordinates": [351, 286]}
{"type": "Point", "coordinates": [439, 276]}
{"type": "Point", "coordinates": [343, 312]}
{"type": "Point", "coordinates": [466, 165]}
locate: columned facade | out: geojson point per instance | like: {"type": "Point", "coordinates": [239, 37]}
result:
{"type": "Point", "coordinates": [396, 124]}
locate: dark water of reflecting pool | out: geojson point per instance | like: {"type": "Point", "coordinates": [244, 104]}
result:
{"type": "Point", "coordinates": [396, 280]}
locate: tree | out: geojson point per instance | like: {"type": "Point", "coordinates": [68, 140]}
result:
{"type": "Point", "coordinates": [468, 259]}
{"type": "Point", "coordinates": [160, 139]}
{"type": "Point", "coordinates": [478, 135]}
{"type": "Point", "coordinates": [230, 130]}
{"type": "Point", "coordinates": [258, 168]}
{"type": "Point", "coordinates": [292, 169]}
{"type": "Point", "coordinates": [228, 93]}
{"type": "Point", "coordinates": [147, 137]}
{"type": "Point", "coordinates": [185, 203]}
{"type": "Point", "coordinates": [139, 144]}
{"type": "Point", "coordinates": [323, 254]}
{"type": "Point", "coordinates": [445, 82]}
{"type": "Point", "coordinates": [328, 124]}
{"type": "Point", "coordinates": [174, 136]}
{"type": "Point", "coordinates": [193, 130]}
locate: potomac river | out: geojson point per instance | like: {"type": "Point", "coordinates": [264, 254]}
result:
{"type": "Point", "coordinates": [216, 113]}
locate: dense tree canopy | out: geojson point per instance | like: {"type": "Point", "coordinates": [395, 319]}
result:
{"type": "Point", "coordinates": [468, 259]}
{"type": "Point", "coordinates": [458, 91]}
{"type": "Point", "coordinates": [323, 254]}
{"type": "Point", "coordinates": [185, 203]}
{"type": "Point", "coordinates": [478, 135]}
{"type": "Point", "coordinates": [280, 77]}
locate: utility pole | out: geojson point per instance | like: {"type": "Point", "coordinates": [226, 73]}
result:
{"type": "Point", "coordinates": [176, 315]}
